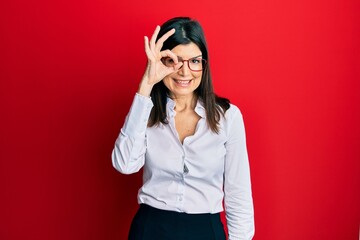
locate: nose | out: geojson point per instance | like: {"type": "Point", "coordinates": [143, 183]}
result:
{"type": "Point", "coordinates": [184, 70]}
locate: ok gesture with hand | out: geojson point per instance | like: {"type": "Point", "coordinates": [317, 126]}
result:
{"type": "Point", "coordinates": [155, 69]}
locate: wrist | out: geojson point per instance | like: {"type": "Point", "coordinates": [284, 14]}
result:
{"type": "Point", "coordinates": [145, 88]}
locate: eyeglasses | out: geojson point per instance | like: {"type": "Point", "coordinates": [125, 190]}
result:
{"type": "Point", "coordinates": [195, 64]}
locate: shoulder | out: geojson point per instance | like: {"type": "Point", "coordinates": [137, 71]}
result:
{"type": "Point", "coordinates": [233, 117]}
{"type": "Point", "coordinates": [233, 122]}
{"type": "Point", "coordinates": [232, 112]}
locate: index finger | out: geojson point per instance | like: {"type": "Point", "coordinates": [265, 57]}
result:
{"type": "Point", "coordinates": [163, 38]}
{"type": "Point", "coordinates": [154, 36]}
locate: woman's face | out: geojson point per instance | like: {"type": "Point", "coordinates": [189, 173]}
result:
{"type": "Point", "coordinates": [184, 81]}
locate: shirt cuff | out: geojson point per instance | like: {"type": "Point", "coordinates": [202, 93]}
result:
{"type": "Point", "coordinates": [138, 116]}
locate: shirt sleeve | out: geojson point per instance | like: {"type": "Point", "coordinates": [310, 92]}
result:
{"type": "Point", "coordinates": [237, 184]}
{"type": "Point", "coordinates": [128, 155]}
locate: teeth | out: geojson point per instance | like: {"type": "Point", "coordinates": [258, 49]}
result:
{"type": "Point", "coordinates": [183, 82]}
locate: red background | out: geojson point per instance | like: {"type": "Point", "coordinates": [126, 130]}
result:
{"type": "Point", "coordinates": [69, 71]}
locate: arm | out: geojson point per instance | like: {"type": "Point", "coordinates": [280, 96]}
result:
{"type": "Point", "coordinates": [237, 185]}
{"type": "Point", "coordinates": [128, 155]}
{"type": "Point", "coordinates": [130, 146]}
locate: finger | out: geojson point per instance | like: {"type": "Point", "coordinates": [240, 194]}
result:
{"type": "Point", "coordinates": [153, 37]}
{"type": "Point", "coordinates": [146, 41]}
{"type": "Point", "coordinates": [168, 53]}
{"type": "Point", "coordinates": [178, 66]}
{"type": "Point", "coordinates": [161, 40]}
{"type": "Point", "coordinates": [148, 52]}
{"type": "Point", "coordinates": [174, 68]}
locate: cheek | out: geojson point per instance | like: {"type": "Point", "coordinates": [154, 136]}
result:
{"type": "Point", "coordinates": [167, 80]}
{"type": "Point", "coordinates": [197, 77]}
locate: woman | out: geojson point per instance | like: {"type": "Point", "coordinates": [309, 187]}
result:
{"type": "Point", "coordinates": [190, 143]}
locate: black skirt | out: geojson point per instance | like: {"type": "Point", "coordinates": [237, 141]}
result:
{"type": "Point", "coordinates": [154, 224]}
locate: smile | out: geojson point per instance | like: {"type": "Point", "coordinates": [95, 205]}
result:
{"type": "Point", "coordinates": [183, 83]}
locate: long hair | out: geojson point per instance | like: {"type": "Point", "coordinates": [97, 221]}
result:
{"type": "Point", "coordinates": [188, 31]}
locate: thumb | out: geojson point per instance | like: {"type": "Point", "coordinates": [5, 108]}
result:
{"type": "Point", "coordinates": [173, 69]}
{"type": "Point", "coordinates": [178, 66]}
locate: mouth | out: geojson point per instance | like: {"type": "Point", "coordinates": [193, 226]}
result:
{"type": "Point", "coordinates": [182, 83]}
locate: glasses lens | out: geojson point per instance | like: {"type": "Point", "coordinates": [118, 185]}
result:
{"type": "Point", "coordinates": [168, 62]}
{"type": "Point", "coordinates": [196, 64]}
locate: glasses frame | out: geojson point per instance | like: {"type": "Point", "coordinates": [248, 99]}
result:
{"type": "Point", "coordinates": [188, 63]}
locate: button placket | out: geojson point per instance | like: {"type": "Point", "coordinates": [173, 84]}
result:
{"type": "Point", "coordinates": [181, 190]}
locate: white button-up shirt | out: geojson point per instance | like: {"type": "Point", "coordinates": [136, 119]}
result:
{"type": "Point", "coordinates": [193, 177]}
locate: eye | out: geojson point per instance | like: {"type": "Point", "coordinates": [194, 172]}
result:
{"type": "Point", "coordinates": [195, 60]}
{"type": "Point", "coordinates": [168, 61]}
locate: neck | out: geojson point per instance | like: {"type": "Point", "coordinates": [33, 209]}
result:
{"type": "Point", "coordinates": [184, 103]}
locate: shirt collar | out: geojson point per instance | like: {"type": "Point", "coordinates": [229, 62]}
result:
{"type": "Point", "coordinates": [199, 108]}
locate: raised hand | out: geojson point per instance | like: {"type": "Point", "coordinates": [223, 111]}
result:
{"type": "Point", "coordinates": [155, 69]}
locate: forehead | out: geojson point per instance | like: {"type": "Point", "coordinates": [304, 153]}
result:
{"type": "Point", "coordinates": [186, 51]}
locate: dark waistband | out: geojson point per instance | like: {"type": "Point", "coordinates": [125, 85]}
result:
{"type": "Point", "coordinates": [173, 214]}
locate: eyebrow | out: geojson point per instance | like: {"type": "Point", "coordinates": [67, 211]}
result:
{"type": "Point", "coordinates": [191, 57]}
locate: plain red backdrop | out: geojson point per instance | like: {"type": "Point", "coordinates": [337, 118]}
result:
{"type": "Point", "coordinates": [69, 71]}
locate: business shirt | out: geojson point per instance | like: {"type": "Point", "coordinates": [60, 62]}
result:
{"type": "Point", "coordinates": [194, 176]}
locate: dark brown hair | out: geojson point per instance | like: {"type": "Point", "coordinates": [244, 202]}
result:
{"type": "Point", "coordinates": [187, 31]}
